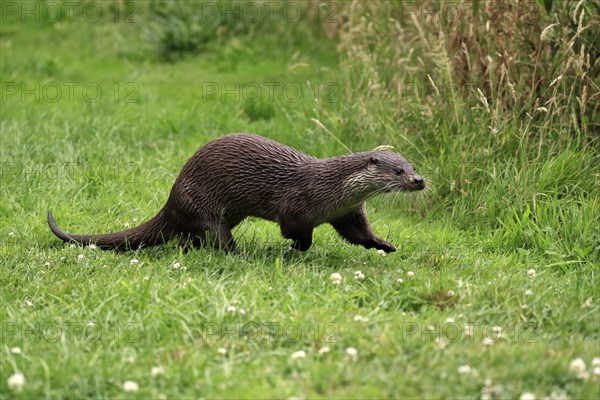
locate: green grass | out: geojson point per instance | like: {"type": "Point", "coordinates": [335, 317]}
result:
{"type": "Point", "coordinates": [489, 217]}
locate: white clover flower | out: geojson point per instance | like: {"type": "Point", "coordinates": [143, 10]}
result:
{"type": "Point", "coordinates": [487, 390]}
{"type": "Point", "coordinates": [72, 245]}
{"type": "Point", "coordinates": [587, 303]}
{"type": "Point", "coordinates": [487, 341]}
{"type": "Point", "coordinates": [47, 264]}
{"type": "Point", "coordinates": [595, 362]}
{"type": "Point", "coordinates": [134, 261]}
{"type": "Point", "coordinates": [81, 257]}
{"type": "Point", "coordinates": [382, 253]}
{"type": "Point", "coordinates": [557, 395]}
{"type": "Point", "coordinates": [360, 318]}
{"type": "Point", "coordinates": [92, 246]}
{"type": "Point", "coordinates": [16, 381]}
{"type": "Point", "coordinates": [91, 324]}
{"type": "Point", "coordinates": [400, 281]}
{"type": "Point", "coordinates": [324, 350]}
{"type": "Point", "coordinates": [126, 224]}
{"type": "Point", "coordinates": [451, 293]}
{"type": "Point", "coordinates": [222, 351]}
{"type": "Point", "coordinates": [156, 371]}
{"type": "Point", "coordinates": [15, 350]}
{"type": "Point", "coordinates": [176, 265]}
{"type": "Point", "coordinates": [527, 396]}
{"type": "Point", "coordinates": [449, 320]}
{"type": "Point", "coordinates": [336, 278]}
{"type": "Point", "coordinates": [146, 278]}
{"type": "Point", "coordinates": [528, 292]}
{"type": "Point", "coordinates": [596, 373]}
{"type": "Point", "coordinates": [577, 368]}
{"type": "Point", "coordinates": [351, 353]}
{"type": "Point", "coordinates": [359, 276]}
{"type": "Point", "coordinates": [410, 274]}
{"type": "Point", "coordinates": [231, 309]}
{"type": "Point", "coordinates": [297, 355]}
{"type": "Point", "coordinates": [242, 311]}
{"type": "Point", "coordinates": [28, 303]}
{"type": "Point", "coordinates": [464, 369]}
{"type": "Point", "coordinates": [131, 386]}
{"type": "Point", "coordinates": [531, 272]}
{"type": "Point", "coordinates": [11, 234]}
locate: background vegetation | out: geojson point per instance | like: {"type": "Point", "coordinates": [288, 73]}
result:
{"type": "Point", "coordinates": [492, 294]}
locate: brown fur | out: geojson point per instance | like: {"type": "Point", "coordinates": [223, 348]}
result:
{"type": "Point", "coordinates": [242, 175]}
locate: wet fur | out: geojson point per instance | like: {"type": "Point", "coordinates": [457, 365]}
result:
{"type": "Point", "coordinates": [242, 175]}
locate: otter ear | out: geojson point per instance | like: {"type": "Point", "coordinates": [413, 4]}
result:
{"type": "Point", "coordinates": [373, 160]}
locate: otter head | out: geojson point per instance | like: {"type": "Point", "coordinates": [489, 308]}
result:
{"type": "Point", "coordinates": [390, 172]}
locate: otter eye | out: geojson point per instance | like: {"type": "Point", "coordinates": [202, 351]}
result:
{"type": "Point", "coordinates": [399, 171]}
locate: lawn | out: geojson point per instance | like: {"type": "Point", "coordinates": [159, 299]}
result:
{"type": "Point", "coordinates": [493, 292]}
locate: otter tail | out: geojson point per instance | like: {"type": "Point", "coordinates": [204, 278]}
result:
{"type": "Point", "coordinates": [151, 233]}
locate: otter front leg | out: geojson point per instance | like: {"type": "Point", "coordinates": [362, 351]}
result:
{"type": "Point", "coordinates": [355, 228]}
{"type": "Point", "coordinates": [298, 231]}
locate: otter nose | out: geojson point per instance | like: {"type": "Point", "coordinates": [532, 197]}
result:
{"type": "Point", "coordinates": [418, 180]}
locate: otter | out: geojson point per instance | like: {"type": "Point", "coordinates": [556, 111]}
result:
{"type": "Point", "coordinates": [242, 175]}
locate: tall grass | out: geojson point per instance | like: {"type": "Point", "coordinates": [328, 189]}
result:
{"type": "Point", "coordinates": [496, 101]}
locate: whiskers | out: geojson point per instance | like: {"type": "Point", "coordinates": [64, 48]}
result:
{"type": "Point", "coordinates": [401, 198]}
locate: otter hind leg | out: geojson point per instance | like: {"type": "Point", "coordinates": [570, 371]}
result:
{"type": "Point", "coordinates": [207, 229]}
{"type": "Point", "coordinates": [300, 232]}
{"type": "Point", "coordinates": [190, 241]}
{"type": "Point", "coordinates": [219, 237]}
{"type": "Point", "coordinates": [355, 228]}
{"type": "Point", "coordinates": [222, 238]}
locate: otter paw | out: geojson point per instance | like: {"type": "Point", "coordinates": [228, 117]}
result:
{"type": "Point", "coordinates": [385, 246]}
{"type": "Point", "coordinates": [301, 245]}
